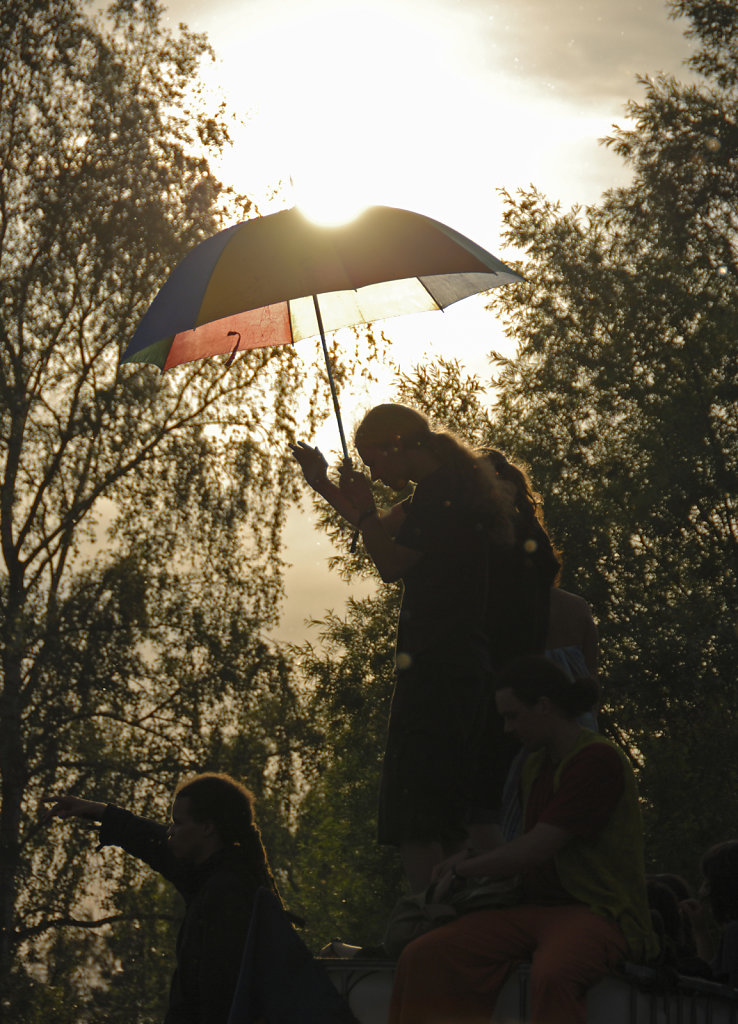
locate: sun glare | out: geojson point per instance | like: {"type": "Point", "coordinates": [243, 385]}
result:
{"type": "Point", "coordinates": [351, 102]}
{"type": "Point", "coordinates": [322, 203]}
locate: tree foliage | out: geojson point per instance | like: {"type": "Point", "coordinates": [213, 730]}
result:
{"type": "Point", "coordinates": [139, 515]}
{"type": "Point", "coordinates": [623, 396]}
{"type": "Point", "coordinates": [344, 883]}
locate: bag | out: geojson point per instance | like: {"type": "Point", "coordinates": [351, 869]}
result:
{"type": "Point", "coordinates": [416, 914]}
{"type": "Point", "coordinates": [281, 981]}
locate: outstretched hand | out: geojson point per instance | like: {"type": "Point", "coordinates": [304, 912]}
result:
{"type": "Point", "coordinates": [312, 463]}
{"type": "Point", "coordinates": [74, 807]}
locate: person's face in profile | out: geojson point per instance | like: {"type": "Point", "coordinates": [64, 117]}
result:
{"type": "Point", "coordinates": [527, 724]}
{"type": "Point", "coordinates": [189, 839]}
{"type": "Point", "coordinates": [387, 463]}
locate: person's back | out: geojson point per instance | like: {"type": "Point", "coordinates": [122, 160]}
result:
{"type": "Point", "coordinates": [571, 626]}
{"type": "Point", "coordinates": [211, 940]}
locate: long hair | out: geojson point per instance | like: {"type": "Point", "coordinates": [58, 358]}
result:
{"type": "Point", "coordinates": [532, 677]}
{"type": "Point", "coordinates": [216, 797]}
{"type": "Point", "coordinates": [720, 868]}
{"type": "Point", "coordinates": [394, 425]}
{"type": "Point", "coordinates": [527, 504]}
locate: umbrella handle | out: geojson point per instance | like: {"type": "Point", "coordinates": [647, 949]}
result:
{"type": "Point", "coordinates": [334, 394]}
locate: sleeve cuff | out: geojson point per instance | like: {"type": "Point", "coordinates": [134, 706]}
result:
{"type": "Point", "coordinates": [112, 825]}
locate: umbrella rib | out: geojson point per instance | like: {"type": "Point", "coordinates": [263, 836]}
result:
{"type": "Point", "coordinates": [422, 283]}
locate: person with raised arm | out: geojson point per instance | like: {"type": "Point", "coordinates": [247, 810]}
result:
{"type": "Point", "coordinates": [437, 542]}
{"type": "Point", "coordinates": [212, 853]}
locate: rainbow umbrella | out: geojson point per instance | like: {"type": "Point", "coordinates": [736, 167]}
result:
{"type": "Point", "coordinates": [279, 279]}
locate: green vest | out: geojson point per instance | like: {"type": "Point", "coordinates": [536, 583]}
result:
{"type": "Point", "coordinates": [606, 872]}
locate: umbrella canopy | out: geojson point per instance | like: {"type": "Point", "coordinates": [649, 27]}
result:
{"type": "Point", "coordinates": [281, 278]}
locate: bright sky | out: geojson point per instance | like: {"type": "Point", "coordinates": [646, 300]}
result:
{"type": "Point", "coordinates": [431, 105]}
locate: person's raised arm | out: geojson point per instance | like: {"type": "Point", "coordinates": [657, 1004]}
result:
{"type": "Point", "coordinates": [140, 837]}
{"type": "Point", "coordinates": [75, 807]}
{"type": "Point", "coordinates": [315, 470]}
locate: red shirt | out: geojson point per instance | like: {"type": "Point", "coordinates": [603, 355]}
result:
{"type": "Point", "coordinates": [589, 788]}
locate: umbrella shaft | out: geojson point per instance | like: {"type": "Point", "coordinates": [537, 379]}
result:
{"type": "Point", "coordinates": [334, 393]}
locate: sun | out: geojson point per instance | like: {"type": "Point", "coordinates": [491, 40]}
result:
{"type": "Point", "coordinates": [316, 195]}
{"type": "Point", "coordinates": [348, 105]}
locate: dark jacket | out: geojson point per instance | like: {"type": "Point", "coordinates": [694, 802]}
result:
{"type": "Point", "coordinates": [218, 898]}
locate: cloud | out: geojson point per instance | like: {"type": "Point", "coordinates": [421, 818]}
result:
{"type": "Point", "coordinates": [592, 49]}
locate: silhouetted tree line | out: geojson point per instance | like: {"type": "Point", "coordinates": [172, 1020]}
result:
{"type": "Point", "coordinates": [140, 515]}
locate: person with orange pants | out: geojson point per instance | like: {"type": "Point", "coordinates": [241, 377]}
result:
{"type": "Point", "coordinates": [583, 905]}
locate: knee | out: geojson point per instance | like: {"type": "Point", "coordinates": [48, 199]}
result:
{"type": "Point", "coordinates": [551, 974]}
{"type": "Point", "coordinates": [421, 952]}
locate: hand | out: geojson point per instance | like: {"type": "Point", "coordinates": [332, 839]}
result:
{"type": "Point", "coordinates": [445, 876]}
{"type": "Point", "coordinates": [312, 463]}
{"type": "Point", "coordinates": [74, 807]}
{"type": "Point", "coordinates": [443, 867]}
{"type": "Point", "coordinates": [356, 487]}
{"type": "Point", "coordinates": [443, 887]}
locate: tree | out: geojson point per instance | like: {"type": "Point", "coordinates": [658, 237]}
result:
{"type": "Point", "coordinates": [344, 883]}
{"type": "Point", "coordinates": [139, 515]}
{"type": "Point", "coordinates": [623, 397]}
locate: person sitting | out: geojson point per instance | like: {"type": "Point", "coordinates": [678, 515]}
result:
{"type": "Point", "coordinates": [212, 853]}
{"type": "Point", "coordinates": [572, 644]}
{"type": "Point", "coordinates": [667, 894]}
{"type": "Point", "coordinates": [583, 906]}
{"type": "Point", "coordinates": [720, 890]}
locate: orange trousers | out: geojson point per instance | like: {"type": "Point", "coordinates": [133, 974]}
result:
{"type": "Point", "coordinates": [454, 973]}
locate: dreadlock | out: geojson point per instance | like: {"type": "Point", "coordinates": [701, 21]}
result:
{"type": "Point", "coordinates": [216, 797]}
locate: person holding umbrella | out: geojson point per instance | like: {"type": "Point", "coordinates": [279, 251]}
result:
{"type": "Point", "coordinates": [437, 542]}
